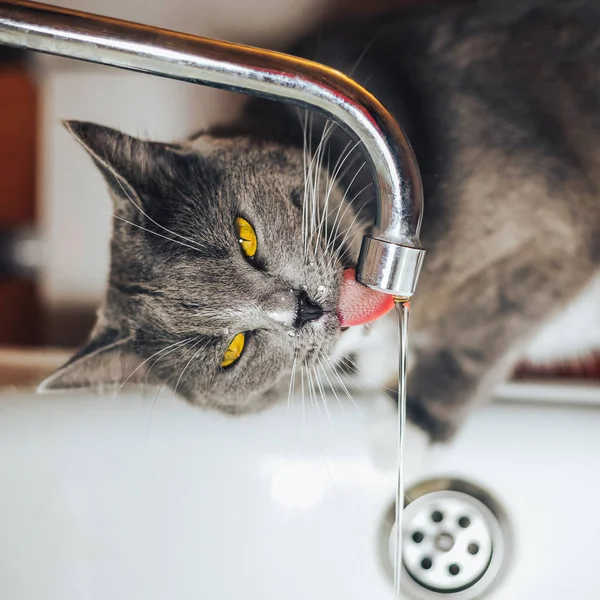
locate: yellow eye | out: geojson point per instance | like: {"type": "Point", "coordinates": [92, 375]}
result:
{"type": "Point", "coordinates": [246, 237]}
{"type": "Point", "coordinates": [234, 350]}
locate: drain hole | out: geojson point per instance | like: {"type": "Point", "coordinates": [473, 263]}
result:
{"type": "Point", "coordinates": [437, 516]}
{"type": "Point", "coordinates": [417, 537]}
{"type": "Point", "coordinates": [457, 543]}
{"type": "Point", "coordinates": [464, 522]}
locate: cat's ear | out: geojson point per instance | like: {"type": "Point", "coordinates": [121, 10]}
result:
{"type": "Point", "coordinates": [105, 360]}
{"type": "Point", "coordinates": [125, 161]}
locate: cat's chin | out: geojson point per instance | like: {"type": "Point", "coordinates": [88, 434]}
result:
{"type": "Point", "coordinates": [256, 403]}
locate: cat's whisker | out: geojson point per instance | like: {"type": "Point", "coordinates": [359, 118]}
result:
{"type": "Point", "coordinates": [323, 395]}
{"type": "Point", "coordinates": [340, 163]}
{"type": "Point", "coordinates": [351, 183]}
{"type": "Point", "coordinates": [168, 350]}
{"type": "Point", "coordinates": [345, 389]}
{"type": "Point", "coordinates": [343, 249]}
{"type": "Point", "coordinates": [323, 455]}
{"type": "Point", "coordinates": [311, 171]}
{"type": "Point", "coordinates": [331, 174]}
{"type": "Point", "coordinates": [315, 190]}
{"type": "Point", "coordinates": [308, 207]}
{"type": "Point", "coordinates": [311, 388]}
{"type": "Point", "coordinates": [318, 166]}
{"type": "Point", "coordinates": [335, 225]}
{"type": "Point", "coordinates": [334, 236]}
{"type": "Point", "coordinates": [331, 179]}
{"type": "Point", "coordinates": [345, 360]}
{"type": "Point", "coordinates": [151, 414]}
{"type": "Point", "coordinates": [331, 386]}
{"type": "Point", "coordinates": [349, 231]}
{"type": "Point", "coordinates": [305, 154]}
{"type": "Point", "coordinates": [364, 389]}
{"type": "Point", "coordinates": [357, 156]}
{"type": "Point", "coordinates": [343, 158]}
{"type": "Point", "coordinates": [198, 244]}
{"type": "Point", "coordinates": [329, 182]}
{"type": "Point", "coordinates": [314, 220]}
{"type": "Point", "coordinates": [349, 206]}
{"type": "Point", "coordinates": [162, 385]}
{"type": "Point", "coordinates": [189, 362]}
{"type": "Point", "coordinates": [361, 56]}
{"type": "Point", "coordinates": [292, 382]}
{"type": "Point", "coordinates": [308, 179]}
{"type": "Point", "coordinates": [346, 154]}
{"type": "Point", "coordinates": [164, 355]}
{"type": "Point", "coordinates": [347, 240]}
{"type": "Point", "coordinates": [304, 201]}
{"type": "Point", "coordinates": [341, 246]}
{"type": "Point", "coordinates": [341, 175]}
{"type": "Point", "coordinates": [303, 402]}
{"type": "Point", "coordinates": [312, 178]}
{"type": "Point", "coordinates": [155, 233]}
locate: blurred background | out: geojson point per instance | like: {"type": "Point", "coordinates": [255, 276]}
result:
{"type": "Point", "coordinates": [55, 210]}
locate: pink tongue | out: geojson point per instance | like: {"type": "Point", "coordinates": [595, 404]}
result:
{"type": "Point", "coordinates": [359, 304]}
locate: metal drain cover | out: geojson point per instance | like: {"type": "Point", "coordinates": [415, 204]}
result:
{"type": "Point", "coordinates": [454, 541]}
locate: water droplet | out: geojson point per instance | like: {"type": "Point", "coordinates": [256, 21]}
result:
{"type": "Point", "coordinates": [311, 264]}
{"type": "Point", "coordinates": [292, 333]}
{"type": "Point", "coordinates": [321, 289]}
{"type": "Point", "coordinates": [226, 331]}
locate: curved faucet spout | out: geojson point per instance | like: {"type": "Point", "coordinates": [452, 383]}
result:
{"type": "Point", "coordinates": [390, 258]}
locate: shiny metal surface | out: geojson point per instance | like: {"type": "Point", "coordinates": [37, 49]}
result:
{"type": "Point", "coordinates": [456, 541]}
{"type": "Point", "coordinates": [444, 556]}
{"type": "Point", "coordinates": [264, 73]}
{"type": "Point", "coordinates": [386, 266]}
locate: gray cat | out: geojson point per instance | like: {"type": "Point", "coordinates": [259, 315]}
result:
{"type": "Point", "coordinates": [231, 250]}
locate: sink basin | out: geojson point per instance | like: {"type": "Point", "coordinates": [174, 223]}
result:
{"type": "Point", "coordinates": [143, 497]}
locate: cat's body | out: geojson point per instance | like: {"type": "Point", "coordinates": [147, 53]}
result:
{"type": "Point", "coordinates": [501, 101]}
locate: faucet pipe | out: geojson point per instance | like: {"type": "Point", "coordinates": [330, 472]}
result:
{"type": "Point", "coordinates": [391, 257]}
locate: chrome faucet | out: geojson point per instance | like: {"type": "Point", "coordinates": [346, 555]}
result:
{"type": "Point", "coordinates": [390, 258]}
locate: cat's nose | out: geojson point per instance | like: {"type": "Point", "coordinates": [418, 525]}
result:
{"type": "Point", "coordinates": [306, 310]}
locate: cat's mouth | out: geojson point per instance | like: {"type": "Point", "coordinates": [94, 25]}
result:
{"type": "Point", "coordinates": [359, 304]}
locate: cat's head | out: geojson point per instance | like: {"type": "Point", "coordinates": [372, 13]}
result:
{"type": "Point", "coordinates": [227, 258]}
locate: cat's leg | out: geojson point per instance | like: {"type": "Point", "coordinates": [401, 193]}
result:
{"type": "Point", "coordinates": [477, 341]}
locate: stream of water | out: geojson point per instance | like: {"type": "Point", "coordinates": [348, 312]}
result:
{"type": "Point", "coordinates": [402, 309]}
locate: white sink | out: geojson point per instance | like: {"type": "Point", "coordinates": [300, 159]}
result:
{"type": "Point", "coordinates": [128, 498]}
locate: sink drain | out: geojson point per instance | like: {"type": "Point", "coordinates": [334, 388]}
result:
{"type": "Point", "coordinates": [455, 541]}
